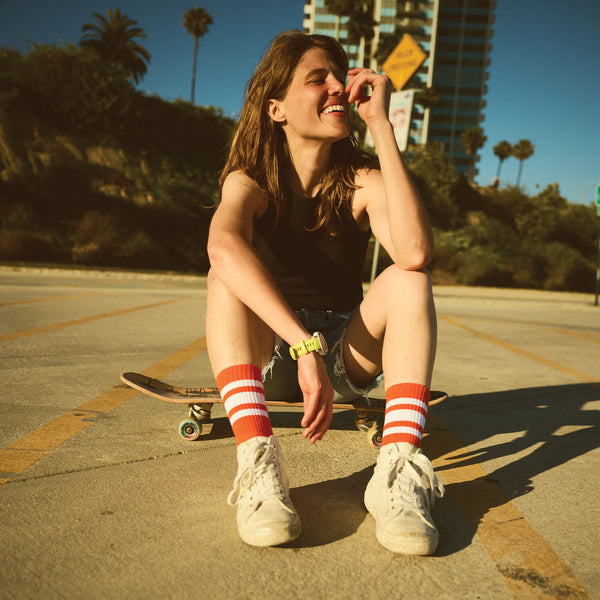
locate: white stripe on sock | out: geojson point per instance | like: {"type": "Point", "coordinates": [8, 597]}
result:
{"type": "Point", "coordinates": [406, 414]}
{"type": "Point", "coordinates": [243, 398]}
{"type": "Point", "coordinates": [240, 383]}
{"type": "Point", "coordinates": [414, 401]}
{"type": "Point", "coordinates": [401, 429]}
{"type": "Point", "coordinates": [248, 412]}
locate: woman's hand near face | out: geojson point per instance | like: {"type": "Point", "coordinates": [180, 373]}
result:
{"type": "Point", "coordinates": [376, 106]}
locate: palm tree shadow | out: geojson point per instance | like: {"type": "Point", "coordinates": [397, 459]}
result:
{"type": "Point", "coordinates": [543, 427]}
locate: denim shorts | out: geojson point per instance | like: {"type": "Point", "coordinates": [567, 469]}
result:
{"type": "Point", "coordinates": [280, 376]}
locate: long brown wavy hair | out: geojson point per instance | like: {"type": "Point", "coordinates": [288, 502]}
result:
{"type": "Point", "coordinates": [259, 147]}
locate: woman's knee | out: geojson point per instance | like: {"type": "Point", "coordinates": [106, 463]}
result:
{"type": "Point", "coordinates": [401, 281]}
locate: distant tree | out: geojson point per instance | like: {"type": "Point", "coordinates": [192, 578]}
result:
{"type": "Point", "coordinates": [196, 21]}
{"type": "Point", "coordinates": [361, 27]}
{"type": "Point", "coordinates": [472, 139]}
{"type": "Point", "coordinates": [113, 41]}
{"type": "Point", "coordinates": [502, 150]}
{"type": "Point", "coordinates": [522, 150]}
{"type": "Point", "coordinates": [427, 97]}
{"type": "Point", "coordinates": [340, 8]}
{"type": "Point", "coordinates": [387, 44]}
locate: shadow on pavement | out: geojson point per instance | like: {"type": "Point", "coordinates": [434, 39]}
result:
{"type": "Point", "coordinates": [330, 510]}
{"type": "Point", "coordinates": [545, 426]}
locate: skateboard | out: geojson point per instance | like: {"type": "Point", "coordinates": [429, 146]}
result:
{"type": "Point", "coordinates": [367, 411]}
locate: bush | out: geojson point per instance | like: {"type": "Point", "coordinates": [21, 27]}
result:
{"type": "Point", "coordinates": [566, 269]}
{"type": "Point", "coordinates": [29, 246]}
{"type": "Point", "coordinates": [481, 269]}
{"type": "Point", "coordinates": [96, 239]}
{"type": "Point", "coordinates": [184, 134]}
{"type": "Point", "coordinates": [68, 85]}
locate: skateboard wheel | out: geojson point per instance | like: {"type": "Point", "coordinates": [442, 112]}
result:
{"type": "Point", "coordinates": [190, 429]}
{"type": "Point", "coordinates": [374, 436]}
{"type": "Point", "coordinates": [364, 421]}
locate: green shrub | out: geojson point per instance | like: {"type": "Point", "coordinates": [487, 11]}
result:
{"type": "Point", "coordinates": [96, 239]}
{"type": "Point", "coordinates": [482, 270]}
{"type": "Point", "coordinates": [68, 85]}
{"type": "Point", "coordinates": [29, 246]}
{"type": "Point", "coordinates": [566, 269]}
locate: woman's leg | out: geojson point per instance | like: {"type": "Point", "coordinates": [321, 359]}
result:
{"type": "Point", "coordinates": [239, 345]}
{"type": "Point", "coordinates": [395, 331]}
{"type": "Point", "coordinates": [235, 335]}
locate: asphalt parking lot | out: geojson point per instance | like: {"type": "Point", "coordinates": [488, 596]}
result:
{"type": "Point", "coordinates": [101, 498]}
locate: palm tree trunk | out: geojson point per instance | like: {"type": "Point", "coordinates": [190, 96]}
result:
{"type": "Point", "coordinates": [519, 175]}
{"type": "Point", "coordinates": [194, 68]}
{"type": "Point", "coordinates": [498, 171]}
{"type": "Point", "coordinates": [361, 51]}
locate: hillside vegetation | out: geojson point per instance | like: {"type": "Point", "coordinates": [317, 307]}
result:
{"type": "Point", "coordinates": [93, 172]}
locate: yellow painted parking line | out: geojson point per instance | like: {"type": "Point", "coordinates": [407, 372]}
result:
{"type": "Point", "coordinates": [49, 299]}
{"type": "Point", "coordinates": [580, 335]}
{"type": "Point", "coordinates": [586, 336]}
{"type": "Point", "coordinates": [510, 347]}
{"type": "Point", "coordinates": [80, 295]}
{"type": "Point", "coordinates": [47, 328]}
{"type": "Point", "coordinates": [528, 564]}
{"type": "Point", "coordinates": [25, 452]}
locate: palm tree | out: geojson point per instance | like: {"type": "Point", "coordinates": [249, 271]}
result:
{"type": "Point", "coordinates": [522, 150]}
{"type": "Point", "coordinates": [340, 8]}
{"type": "Point", "coordinates": [472, 139]}
{"type": "Point", "coordinates": [113, 41]}
{"type": "Point", "coordinates": [387, 44]}
{"type": "Point", "coordinates": [427, 97]}
{"type": "Point", "coordinates": [361, 27]}
{"type": "Point", "coordinates": [196, 22]}
{"type": "Point", "coordinates": [502, 150]}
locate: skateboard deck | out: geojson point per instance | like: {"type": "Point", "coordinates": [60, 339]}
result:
{"type": "Point", "coordinates": [201, 399]}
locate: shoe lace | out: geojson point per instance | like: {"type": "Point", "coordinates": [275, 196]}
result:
{"type": "Point", "coordinates": [413, 484]}
{"type": "Point", "coordinates": [260, 475]}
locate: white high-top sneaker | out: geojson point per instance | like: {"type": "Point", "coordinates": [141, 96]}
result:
{"type": "Point", "coordinates": [265, 514]}
{"type": "Point", "coordinates": [400, 496]}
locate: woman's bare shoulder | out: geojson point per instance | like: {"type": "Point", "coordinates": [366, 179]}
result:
{"type": "Point", "coordinates": [367, 177]}
{"type": "Point", "coordinates": [368, 182]}
{"type": "Point", "coordinates": [239, 187]}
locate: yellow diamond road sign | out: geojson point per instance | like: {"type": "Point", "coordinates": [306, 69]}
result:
{"type": "Point", "coordinates": [402, 63]}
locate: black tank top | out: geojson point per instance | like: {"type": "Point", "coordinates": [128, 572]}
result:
{"type": "Point", "coordinates": [313, 269]}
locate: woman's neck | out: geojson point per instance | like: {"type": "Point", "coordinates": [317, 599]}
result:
{"type": "Point", "coordinates": [309, 163]}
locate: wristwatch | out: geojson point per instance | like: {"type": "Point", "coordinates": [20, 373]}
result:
{"type": "Point", "coordinates": [316, 343]}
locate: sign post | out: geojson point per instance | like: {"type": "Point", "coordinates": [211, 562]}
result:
{"type": "Point", "coordinates": [598, 267]}
{"type": "Point", "coordinates": [400, 66]}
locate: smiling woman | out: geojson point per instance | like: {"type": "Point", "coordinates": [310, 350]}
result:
{"type": "Point", "coordinates": [286, 315]}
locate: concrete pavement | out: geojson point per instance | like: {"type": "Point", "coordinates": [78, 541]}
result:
{"type": "Point", "coordinates": [102, 499]}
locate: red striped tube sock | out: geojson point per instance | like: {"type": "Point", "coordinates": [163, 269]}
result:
{"type": "Point", "coordinates": [243, 395]}
{"type": "Point", "coordinates": [405, 413]}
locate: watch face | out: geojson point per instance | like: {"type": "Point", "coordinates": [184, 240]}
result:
{"type": "Point", "coordinates": [322, 341]}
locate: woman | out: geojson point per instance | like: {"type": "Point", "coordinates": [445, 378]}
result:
{"type": "Point", "coordinates": [285, 308]}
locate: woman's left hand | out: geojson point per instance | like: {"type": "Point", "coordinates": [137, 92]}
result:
{"type": "Point", "coordinates": [377, 105]}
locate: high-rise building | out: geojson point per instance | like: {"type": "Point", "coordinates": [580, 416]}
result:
{"type": "Point", "coordinates": [456, 37]}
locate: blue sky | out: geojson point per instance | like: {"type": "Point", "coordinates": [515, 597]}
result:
{"type": "Point", "coordinates": [544, 80]}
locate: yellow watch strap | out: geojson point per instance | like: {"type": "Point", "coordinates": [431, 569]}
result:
{"type": "Point", "coordinates": [304, 347]}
